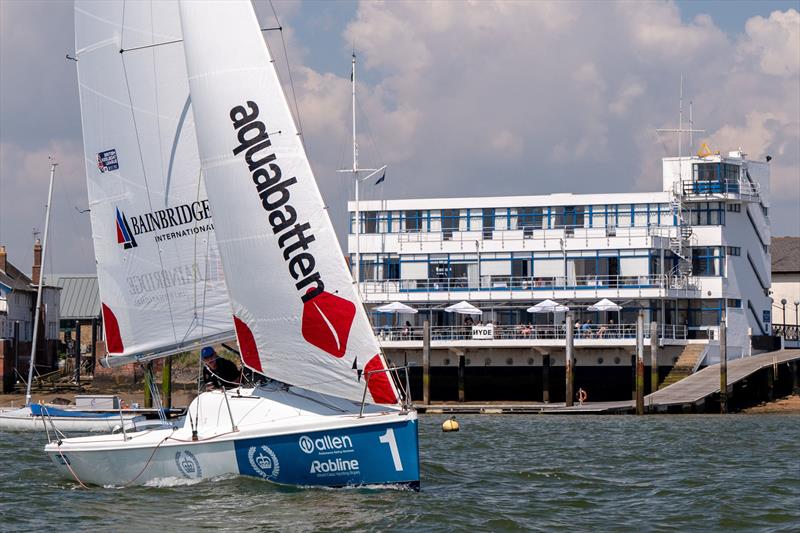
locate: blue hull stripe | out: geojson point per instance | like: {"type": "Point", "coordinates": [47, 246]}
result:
{"type": "Point", "coordinates": [379, 454]}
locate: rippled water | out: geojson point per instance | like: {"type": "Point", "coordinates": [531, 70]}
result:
{"type": "Point", "coordinates": [499, 473]}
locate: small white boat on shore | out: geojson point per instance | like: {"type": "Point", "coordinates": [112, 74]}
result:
{"type": "Point", "coordinates": [35, 417]}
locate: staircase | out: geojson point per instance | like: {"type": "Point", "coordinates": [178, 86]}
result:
{"type": "Point", "coordinates": [685, 365]}
{"type": "Point", "coordinates": [680, 243]}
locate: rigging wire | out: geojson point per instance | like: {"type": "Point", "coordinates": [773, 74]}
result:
{"type": "Point", "coordinates": [289, 70]}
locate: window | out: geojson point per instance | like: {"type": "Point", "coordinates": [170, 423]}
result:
{"type": "Point", "coordinates": [568, 216]}
{"type": "Point", "coordinates": [413, 221]}
{"type": "Point", "coordinates": [734, 303]}
{"type": "Point", "coordinates": [528, 219]}
{"type": "Point", "coordinates": [370, 222]}
{"type": "Point", "coordinates": [450, 221]}
{"type": "Point", "coordinates": [707, 261]}
{"type": "Point", "coordinates": [706, 214]}
{"type": "Point", "coordinates": [734, 250]}
{"type": "Point", "coordinates": [735, 208]}
{"type": "Point", "coordinates": [391, 268]}
{"type": "Point", "coordinates": [488, 223]}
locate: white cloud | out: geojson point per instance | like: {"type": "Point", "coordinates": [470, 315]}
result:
{"type": "Point", "coordinates": [774, 42]}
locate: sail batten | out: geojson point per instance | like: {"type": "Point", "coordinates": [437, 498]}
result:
{"type": "Point", "coordinates": [297, 314]}
{"type": "Point", "coordinates": [159, 274]}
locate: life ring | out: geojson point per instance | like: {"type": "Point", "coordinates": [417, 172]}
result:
{"type": "Point", "coordinates": [581, 395]}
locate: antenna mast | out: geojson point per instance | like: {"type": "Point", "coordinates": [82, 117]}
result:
{"type": "Point", "coordinates": [680, 131]}
{"type": "Point", "coordinates": [357, 180]}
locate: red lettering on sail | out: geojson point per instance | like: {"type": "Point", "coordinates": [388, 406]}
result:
{"type": "Point", "coordinates": [327, 319]}
{"type": "Point", "coordinates": [247, 345]}
{"type": "Point", "coordinates": [379, 386]}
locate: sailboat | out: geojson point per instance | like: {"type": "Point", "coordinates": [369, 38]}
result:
{"type": "Point", "coordinates": [38, 417]}
{"type": "Point", "coordinates": [333, 414]}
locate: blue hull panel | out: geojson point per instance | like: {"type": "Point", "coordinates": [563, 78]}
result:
{"type": "Point", "coordinates": [366, 455]}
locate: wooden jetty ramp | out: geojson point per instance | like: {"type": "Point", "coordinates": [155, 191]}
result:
{"type": "Point", "coordinates": [696, 388]}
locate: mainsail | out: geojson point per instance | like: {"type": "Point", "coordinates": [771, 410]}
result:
{"type": "Point", "coordinates": [297, 314]}
{"type": "Point", "coordinates": [159, 272]}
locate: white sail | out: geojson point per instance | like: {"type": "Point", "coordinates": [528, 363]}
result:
{"type": "Point", "coordinates": [297, 314]}
{"type": "Point", "coordinates": [158, 266]}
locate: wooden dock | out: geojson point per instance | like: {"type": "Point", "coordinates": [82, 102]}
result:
{"type": "Point", "coordinates": [690, 391]}
{"type": "Point", "coordinates": [706, 382]}
{"type": "Point", "coordinates": [498, 408]}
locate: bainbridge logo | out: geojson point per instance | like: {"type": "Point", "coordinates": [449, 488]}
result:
{"type": "Point", "coordinates": [124, 234]}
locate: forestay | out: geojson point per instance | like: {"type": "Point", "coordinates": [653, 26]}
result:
{"type": "Point", "coordinates": [297, 315]}
{"type": "Point", "coordinates": [160, 277]}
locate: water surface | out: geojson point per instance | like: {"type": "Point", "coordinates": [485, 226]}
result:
{"type": "Point", "coordinates": [499, 473]}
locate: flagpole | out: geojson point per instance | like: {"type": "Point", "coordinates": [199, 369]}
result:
{"type": "Point", "coordinates": [357, 180]}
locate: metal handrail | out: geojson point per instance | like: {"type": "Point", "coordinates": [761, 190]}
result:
{"type": "Point", "coordinates": [530, 332]}
{"type": "Point", "coordinates": [406, 392]}
{"type": "Point", "coordinates": [524, 233]}
{"type": "Point", "coordinates": [790, 332]}
{"type": "Point", "coordinates": [532, 283]}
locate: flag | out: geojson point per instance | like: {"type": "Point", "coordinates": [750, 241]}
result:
{"type": "Point", "coordinates": [383, 177]}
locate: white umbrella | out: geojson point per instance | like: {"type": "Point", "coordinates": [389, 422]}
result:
{"type": "Point", "coordinates": [604, 305]}
{"type": "Point", "coordinates": [397, 308]}
{"type": "Point", "coordinates": [464, 308]}
{"type": "Point", "coordinates": [548, 306]}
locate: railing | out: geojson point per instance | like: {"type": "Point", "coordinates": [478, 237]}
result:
{"type": "Point", "coordinates": [525, 233]}
{"type": "Point", "coordinates": [790, 332]}
{"type": "Point", "coordinates": [527, 332]}
{"type": "Point", "coordinates": [710, 187]}
{"type": "Point", "coordinates": [495, 283]}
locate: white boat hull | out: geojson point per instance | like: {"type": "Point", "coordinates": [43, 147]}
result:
{"type": "Point", "coordinates": [279, 436]}
{"type": "Point", "coordinates": [23, 419]}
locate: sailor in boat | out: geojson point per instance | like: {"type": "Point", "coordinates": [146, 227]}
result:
{"type": "Point", "coordinates": [218, 372]}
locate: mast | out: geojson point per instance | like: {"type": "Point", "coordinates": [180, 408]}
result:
{"type": "Point", "coordinates": [355, 178]}
{"type": "Point", "coordinates": [32, 360]}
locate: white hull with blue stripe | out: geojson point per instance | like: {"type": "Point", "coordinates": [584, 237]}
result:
{"type": "Point", "coordinates": [31, 418]}
{"type": "Point", "coordinates": [281, 434]}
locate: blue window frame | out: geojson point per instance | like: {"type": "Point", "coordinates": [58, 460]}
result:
{"type": "Point", "coordinates": [708, 261]}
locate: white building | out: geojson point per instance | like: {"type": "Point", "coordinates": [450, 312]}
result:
{"type": "Point", "coordinates": [681, 255]}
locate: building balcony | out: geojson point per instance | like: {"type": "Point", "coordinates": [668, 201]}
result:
{"type": "Point", "coordinates": [504, 240]}
{"type": "Point", "coordinates": [705, 190]}
{"type": "Point", "coordinates": [520, 336]}
{"type": "Point", "coordinates": [530, 288]}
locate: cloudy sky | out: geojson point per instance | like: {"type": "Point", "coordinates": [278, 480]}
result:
{"type": "Point", "coordinates": [457, 98]}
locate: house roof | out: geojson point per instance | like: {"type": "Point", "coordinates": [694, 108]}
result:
{"type": "Point", "coordinates": [80, 295]}
{"type": "Point", "coordinates": [15, 280]}
{"type": "Point", "coordinates": [785, 253]}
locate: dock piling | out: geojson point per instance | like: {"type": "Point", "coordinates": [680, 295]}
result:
{"type": "Point", "coordinates": [546, 378]}
{"type": "Point", "coordinates": [653, 356]}
{"type": "Point", "coordinates": [148, 380]}
{"type": "Point", "coordinates": [640, 363]}
{"type": "Point", "coordinates": [723, 365]}
{"type": "Point", "coordinates": [166, 382]}
{"type": "Point", "coordinates": [461, 367]}
{"type": "Point", "coordinates": [426, 362]}
{"type": "Point", "coordinates": [568, 358]}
